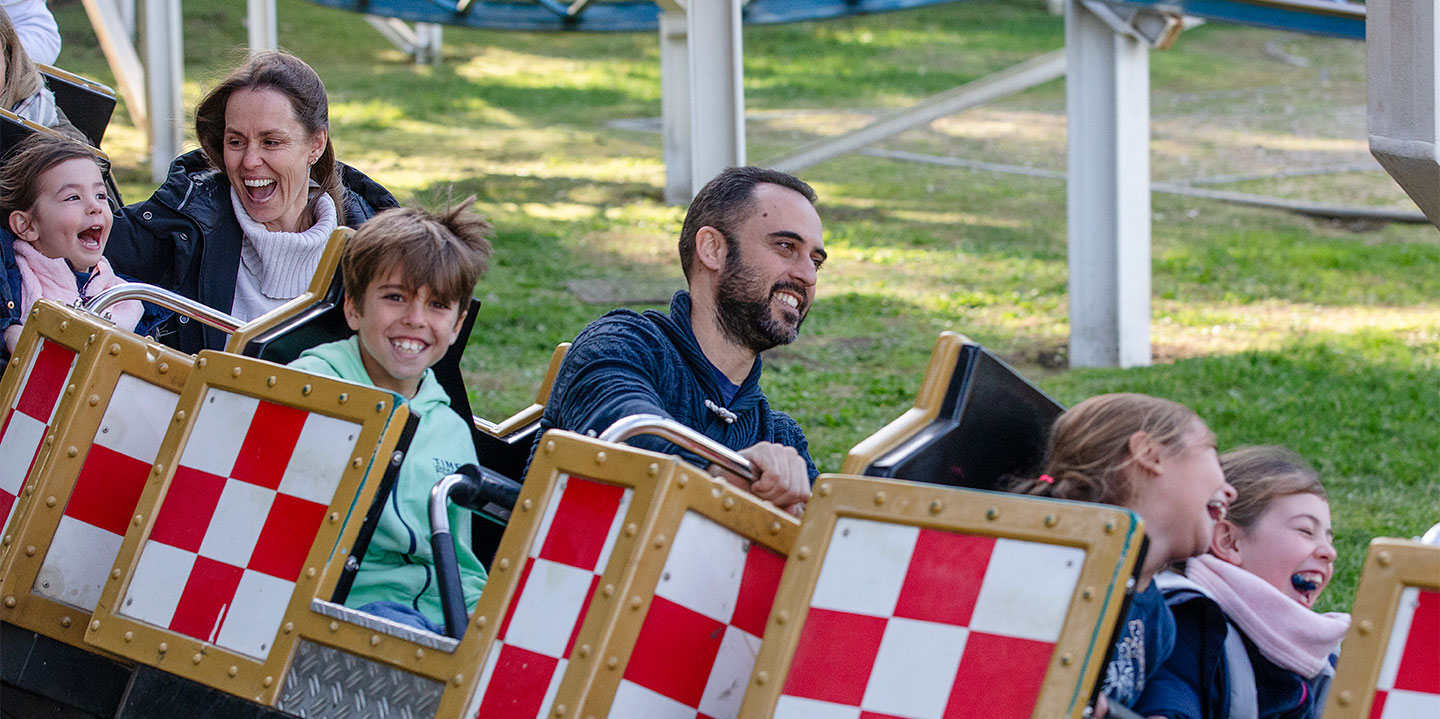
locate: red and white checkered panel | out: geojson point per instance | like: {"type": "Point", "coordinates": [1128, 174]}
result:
{"type": "Point", "coordinates": [1409, 685]}
{"type": "Point", "coordinates": [105, 493]}
{"type": "Point", "coordinates": [30, 415]}
{"type": "Point", "coordinates": [922, 624]}
{"type": "Point", "coordinates": [697, 645]}
{"type": "Point", "coordinates": [238, 520]}
{"type": "Point", "coordinates": [532, 649]}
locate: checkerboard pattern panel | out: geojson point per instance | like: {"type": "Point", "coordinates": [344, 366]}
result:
{"type": "Point", "coordinates": [29, 419]}
{"type": "Point", "coordinates": [1409, 685]}
{"type": "Point", "coordinates": [697, 645]}
{"type": "Point", "coordinates": [532, 650]}
{"type": "Point", "coordinates": [919, 623]}
{"type": "Point", "coordinates": [237, 521]}
{"type": "Point", "coordinates": [105, 493]}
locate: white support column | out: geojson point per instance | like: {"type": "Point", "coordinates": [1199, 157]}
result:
{"type": "Point", "coordinates": [429, 47]}
{"type": "Point", "coordinates": [717, 96]}
{"type": "Point", "coordinates": [675, 106]}
{"type": "Point", "coordinates": [1404, 69]}
{"type": "Point", "coordinates": [115, 42]}
{"type": "Point", "coordinates": [1107, 99]}
{"type": "Point", "coordinates": [163, 75]}
{"type": "Point", "coordinates": [126, 9]}
{"type": "Point", "coordinates": [263, 25]}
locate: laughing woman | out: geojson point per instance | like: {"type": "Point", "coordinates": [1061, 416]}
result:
{"type": "Point", "coordinates": [240, 224]}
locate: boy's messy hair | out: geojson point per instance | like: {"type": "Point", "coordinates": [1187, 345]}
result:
{"type": "Point", "coordinates": [20, 175]}
{"type": "Point", "coordinates": [1263, 474]}
{"type": "Point", "coordinates": [448, 252]}
{"type": "Point", "coordinates": [1089, 448]}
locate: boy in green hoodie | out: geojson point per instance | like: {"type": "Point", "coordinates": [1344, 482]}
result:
{"type": "Point", "coordinates": [408, 278]}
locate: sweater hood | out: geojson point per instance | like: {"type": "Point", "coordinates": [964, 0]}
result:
{"type": "Point", "coordinates": [343, 358]}
{"type": "Point", "coordinates": [677, 326]}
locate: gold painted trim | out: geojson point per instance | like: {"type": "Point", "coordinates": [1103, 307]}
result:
{"type": "Point", "coordinates": [559, 454]}
{"type": "Point", "coordinates": [108, 354]}
{"type": "Point", "coordinates": [938, 376]}
{"type": "Point", "coordinates": [43, 130]}
{"type": "Point", "coordinates": [1391, 566]}
{"type": "Point", "coordinates": [319, 286]}
{"type": "Point", "coordinates": [530, 415]}
{"type": "Point", "coordinates": [607, 639]}
{"type": "Point", "coordinates": [74, 79]}
{"type": "Point", "coordinates": [182, 655]}
{"type": "Point", "coordinates": [1110, 536]}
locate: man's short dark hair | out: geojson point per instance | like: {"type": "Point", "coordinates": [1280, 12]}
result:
{"type": "Point", "coordinates": [723, 201]}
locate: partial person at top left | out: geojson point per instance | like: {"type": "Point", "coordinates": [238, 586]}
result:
{"type": "Point", "coordinates": [36, 28]}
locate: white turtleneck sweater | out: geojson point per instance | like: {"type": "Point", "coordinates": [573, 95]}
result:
{"type": "Point", "coordinates": [275, 267]}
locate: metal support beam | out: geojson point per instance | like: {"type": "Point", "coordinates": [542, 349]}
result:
{"type": "Point", "coordinates": [992, 87]}
{"type": "Point", "coordinates": [262, 24]}
{"type": "Point", "coordinates": [1404, 71]}
{"type": "Point", "coordinates": [717, 97]}
{"type": "Point", "coordinates": [115, 35]}
{"type": "Point", "coordinates": [675, 107]}
{"type": "Point", "coordinates": [1107, 99]}
{"type": "Point", "coordinates": [164, 66]}
{"type": "Point", "coordinates": [422, 42]}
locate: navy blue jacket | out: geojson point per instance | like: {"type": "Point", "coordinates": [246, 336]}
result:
{"type": "Point", "coordinates": [1192, 683]}
{"type": "Point", "coordinates": [185, 238]}
{"type": "Point", "coordinates": [626, 363]}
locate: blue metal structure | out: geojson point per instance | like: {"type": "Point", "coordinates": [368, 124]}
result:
{"type": "Point", "coordinates": [1320, 17]}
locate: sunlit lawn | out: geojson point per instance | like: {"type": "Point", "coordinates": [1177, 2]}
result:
{"type": "Point", "coordinates": [1276, 328]}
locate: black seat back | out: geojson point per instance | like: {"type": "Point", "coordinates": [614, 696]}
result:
{"type": "Point", "coordinates": [88, 104]}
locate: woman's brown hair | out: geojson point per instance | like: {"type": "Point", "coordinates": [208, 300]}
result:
{"type": "Point", "coordinates": [1089, 449]}
{"type": "Point", "coordinates": [1260, 475]}
{"type": "Point", "coordinates": [290, 76]}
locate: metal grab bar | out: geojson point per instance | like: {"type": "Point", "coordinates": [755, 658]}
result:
{"type": "Point", "coordinates": [165, 298]}
{"type": "Point", "coordinates": [470, 487]}
{"type": "Point", "coordinates": [683, 437]}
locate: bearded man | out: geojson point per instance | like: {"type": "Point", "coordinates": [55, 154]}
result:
{"type": "Point", "coordinates": [750, 249]}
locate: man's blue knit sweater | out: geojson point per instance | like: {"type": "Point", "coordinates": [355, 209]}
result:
{"type": "Point", "coordinates": [626, 363]}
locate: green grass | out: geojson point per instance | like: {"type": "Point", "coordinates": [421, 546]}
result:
{"type": "Point", "coordinates": [1276, 328]}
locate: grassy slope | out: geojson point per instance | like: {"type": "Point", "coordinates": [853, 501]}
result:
{"type": "Point", "coordinates": [1274, 327]}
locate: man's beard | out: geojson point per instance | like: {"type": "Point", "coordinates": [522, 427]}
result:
{"type": "Point", "coordinates": [748, 320]}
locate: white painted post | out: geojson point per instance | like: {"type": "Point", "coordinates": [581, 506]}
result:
{"type": "Point", "coordinates": [675, 106]}
{"type": "Point", "coordinates": [429, 49]}
{"type": "Point", "coordinates": [127, 16]}
{"type": "Point", "coordinates": [717, 95]}
{"type": "Point", "coordinates": [163, 76]}
{"type": "Point", "coordinates": [1404, 73]}
{"type": "Point", "coordinates": [1107, 101]}
{"type": "Point", "coordinates": [263, 26]}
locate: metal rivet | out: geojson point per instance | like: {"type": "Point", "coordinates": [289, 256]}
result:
{"type": "Point", "coordinates": [526, 505]}
{"type": "Point", "coordinates": [30, 551]}
{"type": "Point", "coordinates": [631, 529]}
{"type": "Point", "coordinates": [115, 573]}
{"type": "Point", "coordinates": [654, 469]}
{"type": "Point", "coordinates": [584, 650]}
{"type": "Point", "coordinates": [355, 463]}
{"type": "Point", "coordinates": [162, 648]}
{"type": "Point", "coordinates": [457, 679]}
{"type": "Point", "coordinates": [137, 519]}
{"type": "Point", "coordinates": [729, 503]}
{"type": "Point", "coordinates": [233, 670]}
{"type": "Point", "coordinates": [612, 662]}
{"type": "Point", "coordinates": [95, 625]}
{"type": "Point", "coordinates": [1065, 660]}
{"type": "Point", "coordinates": [550, 446]}
{"type": "Point", "coordinates": [49, 440]}
{"type": "Point", "coordinates": [268, 681]}
{"type": "Point", "coordinates": [270, 381]}
{"type": "Point", "coordinates": [879, 498]}
{"type": "Point", "coordinates": [180, 416]}
{"type": "Point", "coordinates": [379, 406]}
{"type": "Point", "coordinates": [824, 490]}
{"type": "Point", "coordinates": [310, 572]}
{"type": "Point", "coordinates": [334, 626]}
{"type": "Point", "coordinates": [158, 469]}
{"type": "Point", "coordinates": [334, 517]}
{"type": "Point", "coordinates": [679, 482]}
{"type": "Point", "coordinates": [1109, 527]}
{"type": "Point", "coordinates": [802, 553]}
{"type": "Point", "coordinates": [6, 541]}
{"type": "Point", "coordinates": [163, 368]}
{"type": "Point", "coordinates": [71, 451]}
{"type": "Point", "coordinates": [65, 621]}
{"type": "Point", "coordinates": [1366, 626]}
{"type": "Point", "coordinates": [374, 640]}
{"type": "Point", "coordinates": [93, 400]}
{"type": "Point", "coordinates": [306, 390]}
{"type": "Point", "coordinates": [114, 350]}
{"type": "Point", "coordinates": [1383, 559]}
{"type": "Point", "coordinates": [343, 398]}
{"type": "Point", "coordinates": [762, 677]}
{"type": "Point", "coordinates": [289, 627]}
{"type": "Point", "coordinates": [196, 659]}
{"type": "Point", "coordinates": [1051, 520]}
{"type": "Point", "coordinates": [659, 541]}
{"type": "Point", "coordinates": [936, 506]}
{"type": "Point", "coordinates": [70, 389]}
{"type": "Point", "coordinates": [235, 372]}
{"type": "Point", "coordinates": [480, 621]}
{"type": "Point", "coordinates": [129, 636]}
{"type": "Point", "coordinates": [782, 616]}
{"type": "Point", "coordinates": [600, 458]}
{"type": "Point", "coordinates": [1345, 698]}
{"type": "Point", "coordinates": [992, 513]}
{"type": "Point", "coordinates": [635, 602]}
{"type": "Point", "coordinates": [503, 564]}
{"type": "Point", "coordinates": [50, 501]}
{"type": "Point", "coordinates": [419, 654]}
{"type": "Point", "coordinates": [774, 527]}
{"type": "Point", "coordinates": [10, 601]}
{"type": "Point", "coordinates": [716, 491]}
{"type": "Point", "coordinates": [1087, 594]}
{"type": "Point", "coordinates": [202, 362]}
{"type": "Point", "coordinates": [608, 590]}
{"type": "Point", "coordinates": [559, 710]}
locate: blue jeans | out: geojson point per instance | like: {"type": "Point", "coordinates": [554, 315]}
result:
{"type": "Point", "coordinates": [404, 614]}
